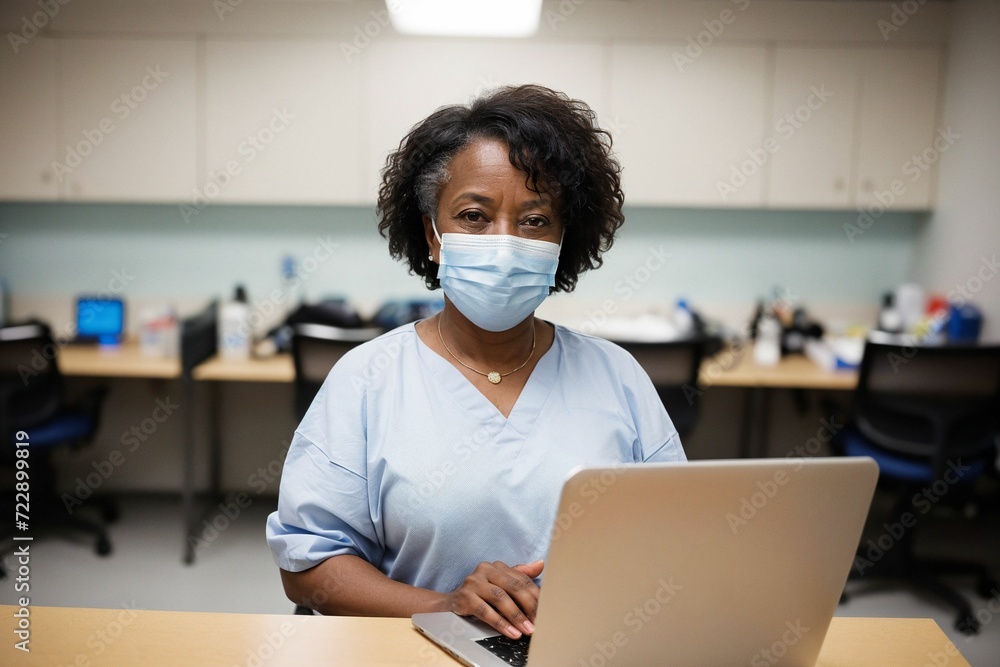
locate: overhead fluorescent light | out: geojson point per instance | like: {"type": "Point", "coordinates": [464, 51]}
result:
{"type": "Point", "coordinates": [466, 18]}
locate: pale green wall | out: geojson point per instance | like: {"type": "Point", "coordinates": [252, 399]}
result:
{"type": "Point", "coordinates": [715, 255]}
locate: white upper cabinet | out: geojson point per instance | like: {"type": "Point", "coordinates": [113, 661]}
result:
{"type": "Point", "coordinates": [406, 80]}
{"type": "Point", "coordinates": [851, 124]}
{"type": "Point", "coordinates": [30, 129]}
{"type": "Point", "coordinates": [813, 124]}
{"type": "Point", "coordinates": [690, 131]}
{"type": "Point", "coordinates": [283, 123]}
{"type": "Point", "coordinates": [899, 144]}
{"type": "Point", "coordinates": [128, 120]}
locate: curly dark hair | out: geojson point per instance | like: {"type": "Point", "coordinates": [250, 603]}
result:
{"type": "Point", "coordinates": [553, 139]}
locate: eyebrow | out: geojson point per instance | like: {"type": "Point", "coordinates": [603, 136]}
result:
{"type": "Point", "coordinates": [482, 199]}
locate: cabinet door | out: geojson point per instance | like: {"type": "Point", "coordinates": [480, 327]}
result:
{"type": "Point", "coordinates": [407, 79]}
{"type": "Point", "coordinates": [813, 124]}
{"type": "Point", "coordinates": [899, 93]}
{"type": "Point", "coordinates": [285, 117]}
{"type": "Point", "coordinates": [128, 119]}
{"type": "Point", "coordinates": [689, 129]}
{"type": "Point", "coordinates": [28, 134]}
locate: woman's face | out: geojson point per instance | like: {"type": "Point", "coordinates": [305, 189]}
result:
{"type": "Point", "coordinates": [486, 194]}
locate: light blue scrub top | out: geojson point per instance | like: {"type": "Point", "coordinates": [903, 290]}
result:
{"type": "Point", "coordinates": [402, 461]}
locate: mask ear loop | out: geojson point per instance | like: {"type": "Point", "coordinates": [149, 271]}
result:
{"type": "Point", "coordinates": [430, 255]}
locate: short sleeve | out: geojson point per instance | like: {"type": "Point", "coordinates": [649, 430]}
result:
{"type": "Point", "coordinates": [657, 440]}
{"type": "Point", "coordinates": [323, 500]}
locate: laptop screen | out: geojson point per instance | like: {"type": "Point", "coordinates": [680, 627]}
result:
{"type": "Point", "coordinates": [102, 320]}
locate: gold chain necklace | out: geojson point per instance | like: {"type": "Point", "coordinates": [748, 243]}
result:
{"type": "Point", "coordinates": [492, 376]}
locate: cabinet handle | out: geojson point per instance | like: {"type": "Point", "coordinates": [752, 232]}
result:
{"type": "Point", "coordinates": [47, 175]}
{"type": "Point", "coordinates": [839, 184]}
{"type": "Point", "coordinates": [868, 185]}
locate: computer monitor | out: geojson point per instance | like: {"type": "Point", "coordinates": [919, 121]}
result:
{"type": "Point", "coordinates": [100, 320]}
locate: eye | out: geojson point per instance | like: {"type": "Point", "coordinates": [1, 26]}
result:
{"type": "Point", "coordinates": [536, 221]}
{"type": "Point", "coordinates": [472, 216]}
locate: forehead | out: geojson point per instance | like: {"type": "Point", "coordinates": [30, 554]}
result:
{"type": "Point", "coordinates": [482, 171]}
{"type": "Point", "coordinates": [483, 157]}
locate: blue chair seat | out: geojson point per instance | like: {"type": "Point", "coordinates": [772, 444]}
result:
{"type": "Point", "coordinates": [68, 425]}
{"type": "Point", "coordinates": [900, 467]}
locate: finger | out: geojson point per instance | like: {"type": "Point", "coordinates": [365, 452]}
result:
{"type": "Point", "coordinates": [515, 595]}
{"type": "Point", "coordinates": [482, 610]}
{"type": "Point", "coordinates": [531, 569]}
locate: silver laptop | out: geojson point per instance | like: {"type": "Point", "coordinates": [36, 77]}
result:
{"type": "Point", "coordinates": [704, 563]}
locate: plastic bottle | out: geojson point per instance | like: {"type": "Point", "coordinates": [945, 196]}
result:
{"type": "Point", "coordinates": [767, 349]}
{"type": "Point", "coordinates": [234, 328]}
{"type": "Point", "coordinates": [683, 319]}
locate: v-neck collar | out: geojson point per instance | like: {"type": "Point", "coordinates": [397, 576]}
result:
{"type": "Point", "coordinates": [529, 402]}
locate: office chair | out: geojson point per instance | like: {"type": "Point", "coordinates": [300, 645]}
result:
{"type": "Point", "coordinates": [31, 400]}
{"type": "Point", "coordinates": [315, 349]}
{"type": "Point", "coordinates": [673, 367]}
{"type": "Point", "coordinates": [919, 411]}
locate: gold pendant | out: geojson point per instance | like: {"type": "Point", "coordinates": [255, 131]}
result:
{"type": "Point", "coordinates": [494, 377]}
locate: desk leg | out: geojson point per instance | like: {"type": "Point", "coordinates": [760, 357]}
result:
{"type": "Point", "coordinates": [753, 440]}
{"type": "Point", "coordinates": [187, 493]}
{"type": "Point", "coordinates": [216, 440]}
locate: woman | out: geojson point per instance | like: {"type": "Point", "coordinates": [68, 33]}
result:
{"type": "Point", "coordinates": [427, 472]}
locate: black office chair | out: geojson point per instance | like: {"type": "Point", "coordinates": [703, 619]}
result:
{"type": "Point", "coordinates": [32, 401]}
{"type": "Point", "coordinates": [673, 368]}
{"type": "Point", "coordinates": [315, 349]}
{"type": "Point", "coordinates": [918, 411]}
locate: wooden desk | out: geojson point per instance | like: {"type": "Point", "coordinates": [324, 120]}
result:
{"type": "Point", "coordinates": [724, 370]}
{"type": "Point", "coordinates": [71, 636]}
{"type": "Point", "coordinates": [125, 361]}
{"type": "Point", "coordinates": [731, 368]}
{"type": "Point", "coordinates": [278, 368]}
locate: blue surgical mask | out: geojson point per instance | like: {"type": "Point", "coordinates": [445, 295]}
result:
{"type": "Point", "coordinates": [496, 280]}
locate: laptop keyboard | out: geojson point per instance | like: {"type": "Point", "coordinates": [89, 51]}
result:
{"type": "Point", "coordinates": [512, 651]}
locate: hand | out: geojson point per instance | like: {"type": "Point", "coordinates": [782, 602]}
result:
{"type": "Point", "coordinates": [501, 596]}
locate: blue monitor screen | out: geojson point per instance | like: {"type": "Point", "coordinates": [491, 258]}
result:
{"type": "Point", "coordinates": [102, 319]}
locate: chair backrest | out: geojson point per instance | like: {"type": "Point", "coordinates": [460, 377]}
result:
{"type": "Point", "coordinates": [673, 367]}
{"type": "Point", "coordinates": [31, 386]}
{"type": "Point", "coordinates": [199, 337]}
{"type": "Point", "coordinates": [935, 402]}
{"type": "Point", "coordinates": [315, 349]}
